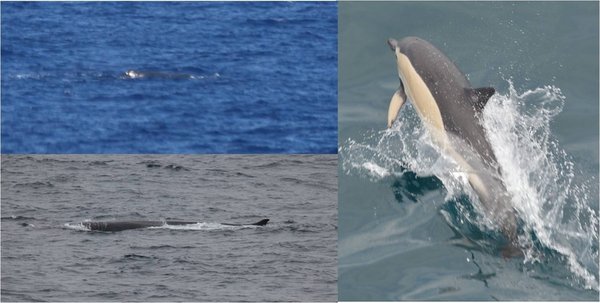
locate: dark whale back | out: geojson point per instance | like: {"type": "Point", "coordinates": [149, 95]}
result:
{"type": "Point", "coordinates": [125, 225]}
{"type": "Point", "coordinates": [262, 222]}
{"type": "Point", "coordinates": [120, 225]}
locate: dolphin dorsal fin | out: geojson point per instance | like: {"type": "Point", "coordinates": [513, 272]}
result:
{"type": "Point", "coordinates": [481, 96]}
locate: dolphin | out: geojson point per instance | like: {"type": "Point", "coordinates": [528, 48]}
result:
{"type": "Point", "coordinates": [124, 225]}
{"type": "Point", "coordinates": [450, 109]}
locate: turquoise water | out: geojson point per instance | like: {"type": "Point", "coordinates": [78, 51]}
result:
{"type": "Point", "coordinates": [407, 228]}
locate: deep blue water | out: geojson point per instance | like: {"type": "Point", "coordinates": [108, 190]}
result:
{"type": "Point", "coordinates": [223, 77]}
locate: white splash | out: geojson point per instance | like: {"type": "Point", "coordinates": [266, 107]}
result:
{"type": "Point", "coordinates": [376, 170]}
{"type": "Point", "coordinates": [201, 226]}
{"type": "Point", "coordinates": [405, 146]}
{"type": "Point", "coordinates": [131, 74]}
{"type": "Point", "coordinates": [76, 226]}
{"type": "Point", "coordinates": [541, 176]}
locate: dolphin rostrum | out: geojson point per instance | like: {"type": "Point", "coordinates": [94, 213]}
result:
{"type": "Point", "coordinates": [124, 225]}
{"type": "Point", "coordinates": [450, 109]}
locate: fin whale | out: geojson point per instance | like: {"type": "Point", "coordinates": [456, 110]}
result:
{"type": "Point", "coordinates": [149, 74]}
{"type": "Point", "coordinates": [450, 109]}
{"type": "Point", "coordinates": [125, 225]}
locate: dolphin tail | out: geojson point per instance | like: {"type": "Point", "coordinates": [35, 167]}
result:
{"type": "Point", "coordinates": [510, 251]}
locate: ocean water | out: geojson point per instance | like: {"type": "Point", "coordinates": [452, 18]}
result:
{"type": "Point", "coordinates": [169, 77]}
{"type": "Point", "coordinates": [46, 256]}
{"type": "Point", "coordinates": [410, 226]}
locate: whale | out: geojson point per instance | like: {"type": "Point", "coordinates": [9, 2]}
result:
{"type": "Point", "coordinates": [149, 74]}
{"type": "Point", "coordinates": [451, 109]}
{"type": "Point", "coordinates": [112, 226]}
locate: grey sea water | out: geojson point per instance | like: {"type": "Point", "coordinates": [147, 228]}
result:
{"type": "Point", "coordinates": [46, 257]}
{"type": "Point", "coordinates": [408, 230]}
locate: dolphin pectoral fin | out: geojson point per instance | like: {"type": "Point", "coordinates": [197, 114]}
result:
{"type": "Point", "coordinates": [479, 187]}
{"type": "Point", "coordinates": [480, 96]}
{"type": "Point", "coordinates": [398, 99]}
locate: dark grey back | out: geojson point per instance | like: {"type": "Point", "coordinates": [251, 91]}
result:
{"type": "Point", "coordinates": [120, 225]}
{"type": "Point", "coordinates": [125, 225]}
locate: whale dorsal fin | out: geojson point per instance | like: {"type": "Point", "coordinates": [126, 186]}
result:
{"type": "Point", "coordinates": [262, 222]}
{"type": "Point", "coordinates": [480, 96]}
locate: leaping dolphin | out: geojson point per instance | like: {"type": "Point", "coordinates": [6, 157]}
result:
{"type": "Point", "coordinates": [124, 225]}
{"type": "Point", "coordinates": [450, 109]}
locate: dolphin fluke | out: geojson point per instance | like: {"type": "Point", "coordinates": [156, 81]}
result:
{"type": "Point", "coordinates": [511, 250]}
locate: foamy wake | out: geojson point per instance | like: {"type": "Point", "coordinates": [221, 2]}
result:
{"type": "Point", "coordinates": [203, 226]}
{"type": "Point", "coordinates": [76, 226]}
{"type": "Point", "coordinates": [541, 177]}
